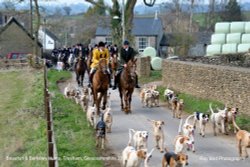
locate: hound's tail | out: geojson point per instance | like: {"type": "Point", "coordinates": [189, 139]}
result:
{"type": "Point", "coordinates": [130, 136]}
{"type": "Point", "coordinates": [179, 130]}
{"type": "Point", "coordinates": [187, 119]}
{"type": "Point", "coordinates": [211, 109]}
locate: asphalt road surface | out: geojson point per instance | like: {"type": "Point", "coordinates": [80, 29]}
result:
{"type": "Point", "coordinates": [216, 151]}
{"type": "Point", "coordinates": [211, 151]}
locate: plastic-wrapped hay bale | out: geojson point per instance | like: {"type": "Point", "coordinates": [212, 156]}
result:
{"type": "Point", "coordinates": [229, 48]}
{"type": "Point", "coordinates": [218, 38]}
{"type": "Point", "coordinates": [237, 27]}
{"type": "Point", "coordinates": [213, 49]}
{"type": "Point", "coordinates": [247, 27]}
{"type": "Point", "coordinates": [243, 47]}
{"type": "Point", "coordinates": [233, 38]}
{"type": "Point", "coordinates": [149, 51]}
{"type": "Point", "coordinates": [222, 27]}
{"type": "Point", "coordinates": [156, 63]}
{"type": "Point", "coordinates": [245, 38]}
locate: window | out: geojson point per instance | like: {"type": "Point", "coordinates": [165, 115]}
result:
{"type": "Point", "coordinates": [108, 40]}
{"type": "Point", "coordinates": [143, 43]}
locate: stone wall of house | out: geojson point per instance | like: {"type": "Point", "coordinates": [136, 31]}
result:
{"type": "Point", "coordinates": [143, 66]}
{"type": "Point", "coordinates": [229, 85]}
{"type": "Point", "coordinates": [14, 39]}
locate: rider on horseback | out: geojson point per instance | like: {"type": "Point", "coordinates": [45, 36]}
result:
{"type": "Point", "coordinates": [99, 53]}
{"type": "Point", "coordinates": [127, 53]}
{"type": "Point", "coordinates": [80, 52]}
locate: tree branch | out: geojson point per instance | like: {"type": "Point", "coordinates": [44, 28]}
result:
{"type": "Point", "coordinates": [93, 2]}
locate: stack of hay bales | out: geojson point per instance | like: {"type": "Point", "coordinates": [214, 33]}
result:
{"type": "Point", "coordinates": [229, 38]}
{"type": "Point", "coordinates": [156, 62]}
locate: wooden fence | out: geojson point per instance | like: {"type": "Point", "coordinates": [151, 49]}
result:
{"type": "Point", "coordinates": [16, 63]}
{"type": "Point", "coordinates": [52, 151]}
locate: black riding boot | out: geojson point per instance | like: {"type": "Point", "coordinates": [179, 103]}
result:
{"type": "Point", "coordinates": [90, 79]}
{"type": "Point", "coordinates": [136, 82]}
{"type": "Point", "coordinates": [115, 82]}
{"type": "Point", "coordinates": [110, 83]}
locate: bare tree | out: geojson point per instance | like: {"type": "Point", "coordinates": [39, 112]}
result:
{"type": "Point", "coordinates": [9, 5]}
{"type": "Point", "coordinates": [129, 13]}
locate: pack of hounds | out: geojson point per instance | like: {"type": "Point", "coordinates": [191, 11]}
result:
{"type": "Point", "coordinates": [136, 152]}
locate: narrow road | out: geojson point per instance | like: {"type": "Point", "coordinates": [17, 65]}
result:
{"type": "Point", "coordinates": [211, 151]}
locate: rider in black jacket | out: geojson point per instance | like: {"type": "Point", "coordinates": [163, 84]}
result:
{"type": "Point", "coordinates": [127, 53]}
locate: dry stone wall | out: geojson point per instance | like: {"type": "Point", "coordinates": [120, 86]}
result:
{"type": "Point", "coordinates": [143, 66]}
{"type": "Point", "coordinates": [229, 85]}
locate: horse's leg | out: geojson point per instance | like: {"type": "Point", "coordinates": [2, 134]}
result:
{"type": "Point", "coordinates": [104, 100]}
{"type": "Point", "coordinates": [98, 101]}
{"type": "Point", "coordinates": [77, 78]}
{"type": "Point", "coordinates": [129, 103]}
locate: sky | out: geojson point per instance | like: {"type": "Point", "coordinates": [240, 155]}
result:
{"type": "Point", "coordinates": [67, 2]}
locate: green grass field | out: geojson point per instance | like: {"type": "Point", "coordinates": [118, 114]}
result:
{"type": "Point", "coordinates": [74, 139]}
{"type": "Point", "coordinates": [22, 123]}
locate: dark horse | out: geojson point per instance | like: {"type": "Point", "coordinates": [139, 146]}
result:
{"type": "Point", "coordinates": [126, 85]}
{"type": "Point", "coordinates": [81, 67]}
{"type": "Point", "coordinates": [100, 85]}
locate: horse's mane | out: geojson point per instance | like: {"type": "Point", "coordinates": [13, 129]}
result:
{"type": "Point", "coordinates": [102, 61]}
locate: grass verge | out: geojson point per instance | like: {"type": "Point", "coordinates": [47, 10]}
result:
{"type": "Point", "coordinates": [22, 124]}
{"type": "Point", "coordinates": [193, 104]}
{"type": "Point", "coordinates": [74, 139]}
{"type": "Point", "coordinates": [154, 76]}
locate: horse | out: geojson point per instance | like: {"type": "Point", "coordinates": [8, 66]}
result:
{"type": "Point", "coordinates": [100, 84]}
{"type": "Point", "coordinates": [114, 64]}
{"type": "Point", "coordinates": [126, 85]}
{"type": "Point", "coordinates": [80, 70]}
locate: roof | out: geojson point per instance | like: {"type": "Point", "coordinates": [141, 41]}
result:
{"type": "Point", "coordinates": [142, 26]}
{"type": "Point", "coordinates": [13, 20]}
{"type": "Point", "coordinates": [52, 35]}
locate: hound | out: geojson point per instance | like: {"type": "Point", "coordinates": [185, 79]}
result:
{"type": "Point", "coordinates": [218, 119]}
{"type": "Point", "coordinates": [158, 134]}
{"type": "Point", "coordinates": [203, 120]}
{"type": "Point", "coordinates": [101, 133]}
{"type": "Point", "coordinates": [140, 139]}
{"type": "Point", "coordinates": [188, 130]}
{"type": "Point", "coordinates": [132, 157]}
{"type": "Point", "coordinates": [231, 114]}
{"type": "Point", "coordinates": [243, 140]}
{"type": "Point", "coordinates": [172, 159]}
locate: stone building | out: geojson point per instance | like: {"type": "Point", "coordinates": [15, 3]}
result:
{"type": "Point", "coordinates": [14, 38]}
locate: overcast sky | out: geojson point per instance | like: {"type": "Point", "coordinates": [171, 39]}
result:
{"type": "Point", "coordinates": [67, 2]}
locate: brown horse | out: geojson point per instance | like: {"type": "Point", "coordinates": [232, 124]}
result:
{"type": "Point", "coordinates": [81, 67]}
{"type": "Point", "coordinates": [100, 85]}
{"type": "Point", "coordinates": [126, 85]}
{"type": "Point", "coordinates": [114, 64]}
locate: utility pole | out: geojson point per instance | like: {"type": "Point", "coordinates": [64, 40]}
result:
{"type": "Point", "coordinates": [123, 21]}
{"type": "Point", "coordinates": [31, 18]}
